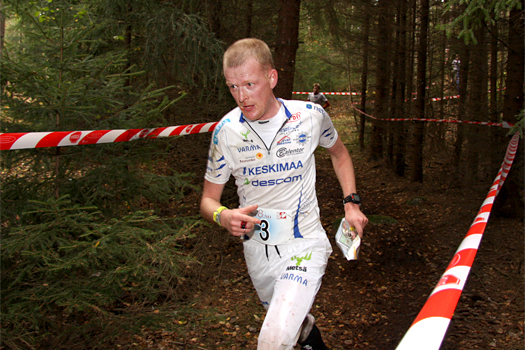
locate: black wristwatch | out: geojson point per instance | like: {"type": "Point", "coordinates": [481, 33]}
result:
{"type": "Point", "coordinates": [352, 198]}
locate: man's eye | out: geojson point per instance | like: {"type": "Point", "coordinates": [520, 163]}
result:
{"type": "Point", "coordinates": [249, 84]}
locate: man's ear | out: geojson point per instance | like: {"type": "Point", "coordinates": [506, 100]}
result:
{"type": "Point", "coordinates": [274, 77]}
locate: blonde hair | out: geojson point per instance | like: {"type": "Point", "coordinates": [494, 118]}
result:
{"type": "Point", "coordinates": [241, 50]}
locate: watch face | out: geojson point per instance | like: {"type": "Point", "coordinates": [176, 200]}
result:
{"type": "Point", "coordinates": [353, 198]}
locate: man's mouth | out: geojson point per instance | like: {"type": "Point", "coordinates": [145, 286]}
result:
{"type": "Point", "coordinates": [248, 108]}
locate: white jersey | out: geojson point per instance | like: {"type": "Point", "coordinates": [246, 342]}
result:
{"type": "Point", "coordinates": [281, 176]}
{"type": "Point", "coordinates": [320, 99]}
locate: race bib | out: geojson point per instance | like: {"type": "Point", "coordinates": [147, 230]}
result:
{"type": "Point", "coordinates": [276, 226]}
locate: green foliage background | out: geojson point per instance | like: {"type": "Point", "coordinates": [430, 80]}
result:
{"type": "Point", "coordinates": [82, 238]}
{"type": "Point", "coordinates": [91, 232]}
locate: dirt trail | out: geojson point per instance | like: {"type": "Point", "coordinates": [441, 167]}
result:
{"type": "Point", "coordinates": [370, 303]}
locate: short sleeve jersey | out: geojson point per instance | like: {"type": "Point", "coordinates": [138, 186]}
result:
{"type": "Point", "coordinates": [279, 176]}
{"type": "Point", "coordinates": [320, 99]}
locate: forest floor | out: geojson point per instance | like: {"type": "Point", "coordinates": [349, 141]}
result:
{"type": "Point", "coordinates": [369, 303]}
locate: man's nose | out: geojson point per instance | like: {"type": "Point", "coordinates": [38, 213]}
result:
{"type": "Point", "coordinates": [241, 95]}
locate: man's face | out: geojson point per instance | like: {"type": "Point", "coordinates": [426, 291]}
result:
{"type": "Point", "coordinates": [316, 89]}
{"type": "Point", "coordinates": [252, 88]}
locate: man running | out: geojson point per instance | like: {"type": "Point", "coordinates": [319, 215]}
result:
{"type": "Point", "coordinates": [268, 145]}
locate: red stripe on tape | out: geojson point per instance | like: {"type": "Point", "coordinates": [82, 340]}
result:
{"type": "Point", "coordinates": [93, 137]}
{"type": "Point", "coordinates": [127, 135]}
{"type": "Point", "coordinates": [53, 139]}
{"type": "Point", "coordinates": [7, 140]}
{"type": "Point", "coordinates": [464, 257]}
{"type": "Point", "coordinates": [212, 127]}
{"type": "Point", "coordinates": [477, 228]}
{"type": "Point", "coordinates": [177, 130]}
{"type": "Point", "coordinates": [440, 304]}
{"type": "Point", "coordinates": [197, 129]}
{"type": "Point", "coordinates": [155, 133]}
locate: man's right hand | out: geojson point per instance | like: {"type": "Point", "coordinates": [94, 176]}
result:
{"type": "Point", "coordinates": [238, 221]}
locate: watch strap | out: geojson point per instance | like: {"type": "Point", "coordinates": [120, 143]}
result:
{"type": "Point", "coordinates": [216, 214]}
{"type": "Point", "coordinates": [352, 198]}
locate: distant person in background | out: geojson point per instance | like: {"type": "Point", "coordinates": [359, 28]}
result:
{"type": "Point", "coordinates": [317, 97]}
{"type": "Point", "coordinates": [455, 68]}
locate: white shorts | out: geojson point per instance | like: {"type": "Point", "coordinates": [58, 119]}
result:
{"type": "Point", "coordinates": [287, 277]}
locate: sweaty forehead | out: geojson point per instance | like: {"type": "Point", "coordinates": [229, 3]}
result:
{"type": "Point", "coordinates": [250, 71]}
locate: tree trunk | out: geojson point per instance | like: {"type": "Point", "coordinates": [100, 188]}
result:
{"type": "Point", "coordinates": [215, 16]}
{"type": "Point", "coordinates": [416, 168]}
{"type": "Point", "coordinates": [364, 74]}
{"type": "Point", "coordinates": [393, 128]}
{"type": "Point", "coordinates": [400, 132]}
{"type": "Point", "coordinates": [513, 100]}
{"type": "Point", "coordinates": [476, 137]}
{"type": "Point", "coordinates": [249, 16]}
{"type": "Point", "coordinates": [509, 201]}
{"type": "Point", "coordinates": [464, 56]}
{"type": "Point", "coordinates": [495, 133]}
{"type": "Point", "coordinates": [410, 64]}
{"type": "Point", "coordinates": [2, 29]}
{"type": "Point", "coordinates": [382, 80]}
{"type": "Point", "coordinates": [286, 45]}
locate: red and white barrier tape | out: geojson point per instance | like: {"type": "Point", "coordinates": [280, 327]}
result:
{"type": "Point", "coordinates": [26, 140]}
{"type": "Point", "coordinates": [435, 99]}
{"type": "Point", "coordinates": [502, 124]}
{"type": "Point", "coordinates": [11, 141]}
{"type": "Point", "coordinates": [327, 93]}
{"type": "Point", "coordinates": [429, 328]}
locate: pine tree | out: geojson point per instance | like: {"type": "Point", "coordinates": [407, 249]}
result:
{"type": "Point", "coordinates": [76, 239]}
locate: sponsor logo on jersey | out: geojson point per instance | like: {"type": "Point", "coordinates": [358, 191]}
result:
{"type": "Point", "coordinates": [273, 182]}
{"type": "Point", "coordinates": [302, 138]}
{"type": "Point", "coordinates": [320, 110]}
{"type": "Point", "coordinates": [284, 141]}
{"type": "Point", "coordinates": [288, 130]}
{"type": "Point", "coordinates": [245, 135]}
{"type": "Point", "coordinates": [284, 152]}
{"type": "Point", "coordinates": [296, 278]}
{"type": "Point", "coordinates": [272, 168]}
{"type": "Point", "coordinates": [259, 155]}
{"type": "Point", "coordinates": [297, 268]}
{"type": "Point", "coordinates": [217, 129]}
{"type": "Point", "coordinates": [247, 160]}
{"type": "Point", "coordinates": [300, 259]}
{"type": "Point", "coordinates": [295, 117]}
{"type": "Point", "coordinates": [248, 148]}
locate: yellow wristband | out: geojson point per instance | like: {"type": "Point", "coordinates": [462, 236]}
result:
{"type": "Point", "coordinates": [217, 215]}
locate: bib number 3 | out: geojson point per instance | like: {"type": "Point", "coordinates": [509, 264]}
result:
{"type": "Point", "coordinates": [264, 231]}
{"type": "Point", "coordinates": [276, 227]}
